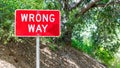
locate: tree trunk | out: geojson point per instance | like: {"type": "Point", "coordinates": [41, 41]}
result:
{"type": "Point", "coordinates": [67, 37]}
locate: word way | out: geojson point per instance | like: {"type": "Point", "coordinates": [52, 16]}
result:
{"type": "Point", "coordinates": [39, 28]}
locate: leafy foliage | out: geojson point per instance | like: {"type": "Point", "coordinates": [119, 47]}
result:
{"type": "Point", "coordinates": [99, 35]}
{"type": "Point", "coordinates": [7, 10]}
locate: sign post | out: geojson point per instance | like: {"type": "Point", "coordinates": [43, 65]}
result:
{"type": "Point", "coordinates": [37, 52]}
{"type": "Point", "coordinates": [37, 23]}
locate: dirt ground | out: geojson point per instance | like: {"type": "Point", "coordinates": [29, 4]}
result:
{"type": "Point", "coordinates": [22, 55]}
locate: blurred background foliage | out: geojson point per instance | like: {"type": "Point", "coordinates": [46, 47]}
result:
{"type": "Point", "coordinates": [96, 33]}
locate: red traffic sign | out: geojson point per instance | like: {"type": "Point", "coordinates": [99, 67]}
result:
{"type": "Point", "coordinates": [30, 23]}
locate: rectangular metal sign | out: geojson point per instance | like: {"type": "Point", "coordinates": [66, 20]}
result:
{"type": "Point", "coordinates": [32, 23]}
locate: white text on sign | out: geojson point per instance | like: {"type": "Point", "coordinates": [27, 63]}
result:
{"type": "Point", "coordinates": [38, 18]}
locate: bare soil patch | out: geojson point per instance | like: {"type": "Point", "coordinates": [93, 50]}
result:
{"type": "Point", "coordinates": [22, 55]}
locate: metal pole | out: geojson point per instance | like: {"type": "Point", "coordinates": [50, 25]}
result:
{"type": "Point", "coordinates": [37, 52]}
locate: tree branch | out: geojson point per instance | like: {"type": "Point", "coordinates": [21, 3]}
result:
{"type": "Point", "coordinates": [65, 5]}
{"type": "Point", "coordinates": [110, 3]}
{"type": "Point", "coordinates": [113, 2]}
{"type": "Point", "coordinates": [75, 4]}
{"type": "Point", "coordinates": [86, 7]}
